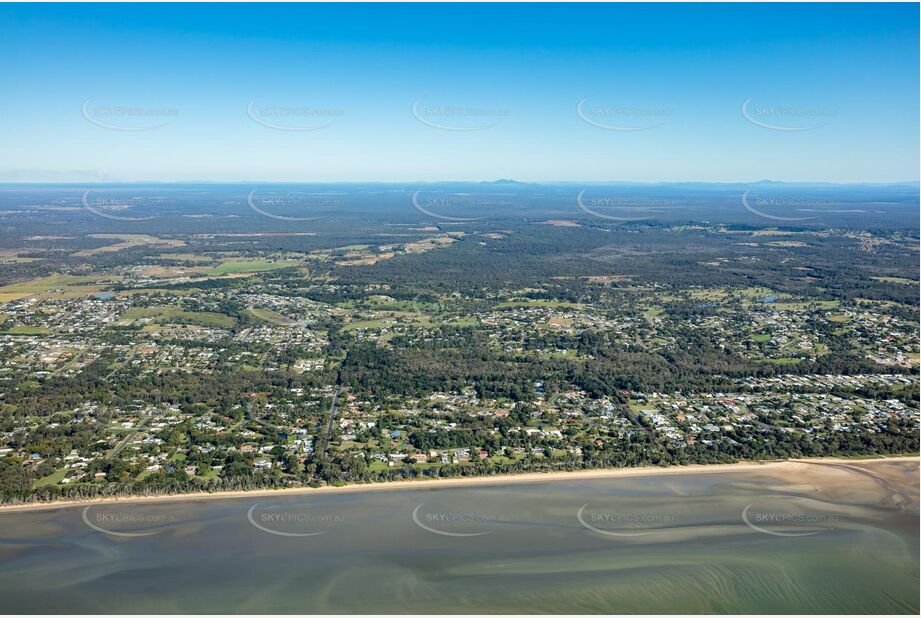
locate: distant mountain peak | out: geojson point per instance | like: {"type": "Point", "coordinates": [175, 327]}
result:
{"type": "Point", "coordinates": [502, 181]}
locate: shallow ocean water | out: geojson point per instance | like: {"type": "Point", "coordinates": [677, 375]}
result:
{"type": "Point", "coordinates": [834, 539]}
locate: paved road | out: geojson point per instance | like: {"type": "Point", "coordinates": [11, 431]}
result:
{"type": "Point", "coordinates": [332, 417]}
{"type": "Point", "coordinates": [255, 419]}
{"type": "Point", "coordinates": [333, 406]}
{"type": "Point", "coordinates": [131, 433]}
{"type": "Point", "coordinates": [134, 350]}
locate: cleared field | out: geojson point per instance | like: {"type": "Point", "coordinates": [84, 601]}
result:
{"type": "Point", "coordinates": [162, 272]}
{"type": "Point", "coordinates": [127, 241]}
{"type": "Point", "coordinates": [25, 330]}
{"type": "Point", "coordinates": [167, 315]}
{"type": "Point", "coordinates": [12, 256]}
{"type": "Point", "coordinates": [711, 295]}
{"type": "Point", "coordinates": [161, 291]}
{"type": "Point", "coordinates": [537, 302]}
{"type": "Point", "coordinates": [185, 257]}
{"type": "Point", "coordinates": [901, 280]}
{"type": "Point", "coordinates": [787, 243]}
{"type": "Point", "coordinates": [249, 266]}
{"type": "Point", "coordinates": [56, 286]}
{"type": "Point", "coordinates": [267, 315]}
{"type": "Point", "coordinates": [370, 325]}
{"type": "Point", "coordinates": [52, 479]}
{"type": "Point", "coordinates": [802, 306]}
{"type": "Point", "coordinates": [783, 361]}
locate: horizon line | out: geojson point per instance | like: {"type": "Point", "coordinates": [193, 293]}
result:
{"type": "Point", "coordinates": [447, 181]}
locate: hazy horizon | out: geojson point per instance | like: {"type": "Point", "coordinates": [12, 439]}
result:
{"type": "Point", "coordinates": [462, 181]}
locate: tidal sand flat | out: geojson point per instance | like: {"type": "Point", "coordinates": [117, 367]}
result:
{"type": "Point", "coordinates": [820, 537]}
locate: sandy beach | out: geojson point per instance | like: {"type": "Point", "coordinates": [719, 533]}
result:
{"type": "Point", "coordinates": [779, 466]}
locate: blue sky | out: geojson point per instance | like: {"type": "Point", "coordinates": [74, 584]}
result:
{"type": "Point", "coordinates": [326, 92]}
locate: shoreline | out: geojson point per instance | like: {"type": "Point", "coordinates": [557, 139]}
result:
{"type": "Point", "coordinates": [446, 483]}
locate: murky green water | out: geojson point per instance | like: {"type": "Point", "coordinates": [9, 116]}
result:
{"type": "Point", "coordinates": [727, 542]}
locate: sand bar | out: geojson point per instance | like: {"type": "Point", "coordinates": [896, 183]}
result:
{"type": "Point", "coordinates": [784, 465]}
